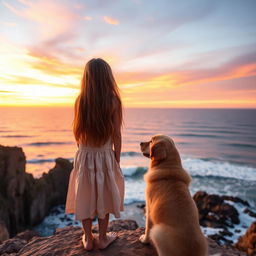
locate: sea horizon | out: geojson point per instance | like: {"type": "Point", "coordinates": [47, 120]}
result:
{"type": "Point", "coordinates": [217, 146]}
{"type": "Point", "coordinates": [124, 107]}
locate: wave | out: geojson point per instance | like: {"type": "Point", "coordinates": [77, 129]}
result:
{"type": "Point", "coordinates": [203, 168]}
{"type": "Point", "coordinates": [39, 161]}
{"type": "Point", "coordinates": [198, 135]}
{"type": "Point", "coordinates": [133, 171]}
{"type": "Point", "coordinates": [143, 133]}
{"type": "Point", "coordinates": [39, 144]}
{"type": "Point", "coordinates": [200, 167]}
{"type": "Point", "coordinates": [241, 145]}
{"type": "Point", "coordinates": [218, 131]}
{"type": "Point", "coordinates": [47, 160]}
{"type": "Point", "coordinates": [196, 167]}
{"type": "Point", "coordinates": [130, 153]}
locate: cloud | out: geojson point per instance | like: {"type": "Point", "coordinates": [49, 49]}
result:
{"type": "Point", "coordinates": [53, 66]}
{"type": "Point", "coordinates": [241, 67]}
{"type": "Point", "coordinates": [52, 17]}
{"type": "Point", "coordinates": [87, 18]}
{"type": "Point", "coordinates": [9, 24]}
{"type": "Point", "coordinates": [12, 9]}
{"type": "Point", "coordinates": [110, 20]}
{"type": "Point", "coordinates": [4, 91]}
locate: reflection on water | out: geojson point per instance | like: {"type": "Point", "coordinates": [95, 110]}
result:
{"type": "Point", "coordinates": [46, 133]}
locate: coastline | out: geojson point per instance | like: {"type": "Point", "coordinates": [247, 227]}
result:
{"type": "Point", "coordinates": [35, 199]}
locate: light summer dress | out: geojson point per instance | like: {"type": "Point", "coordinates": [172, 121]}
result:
{"type": "Point", "coordinates": [96, 183]}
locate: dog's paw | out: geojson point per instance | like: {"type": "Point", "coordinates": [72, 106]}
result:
{"type": "Point", "coordinates": [144, 239]}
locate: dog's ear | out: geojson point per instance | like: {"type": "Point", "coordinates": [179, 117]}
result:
{"type": "Point", "coordinates": [158, 151]}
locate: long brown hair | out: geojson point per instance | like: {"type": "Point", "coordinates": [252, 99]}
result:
{"type": "Point", "coordinates": [99, 100]}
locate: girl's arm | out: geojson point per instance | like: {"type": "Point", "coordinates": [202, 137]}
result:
{"type": "Point", "coordinates": [117, 138]}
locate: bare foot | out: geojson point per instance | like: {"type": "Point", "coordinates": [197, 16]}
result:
{"type": "Point", "coordinates": [87, 243]}
{"type": "Point", "coordinates": [105, 242]}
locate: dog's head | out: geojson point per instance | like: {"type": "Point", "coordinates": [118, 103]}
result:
{"type": "Point", "coordinates": [159, 148]}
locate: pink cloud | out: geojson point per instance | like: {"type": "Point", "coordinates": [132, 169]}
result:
{"type": "Point", "coordinates": [9, 24]}
{"type": "Point", "coordinates": [110, 20]}
{"type": "Point", "coordinates": [52, 17]}
{"type": "Point", "coordinates": [87, 18]}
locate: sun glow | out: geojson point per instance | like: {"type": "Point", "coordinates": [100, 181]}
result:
{"type": "Point", "coordinates": [43, 54]}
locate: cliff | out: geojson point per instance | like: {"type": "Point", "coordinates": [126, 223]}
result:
{"type": "Point", "coordinates": [24, 200]}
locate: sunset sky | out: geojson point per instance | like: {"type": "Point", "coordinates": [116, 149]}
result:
{"type": "Point", "coordinates": [163, 53]}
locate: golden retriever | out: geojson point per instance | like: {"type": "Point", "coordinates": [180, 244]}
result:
{"type": "Point", "coordinates": [172, 221]}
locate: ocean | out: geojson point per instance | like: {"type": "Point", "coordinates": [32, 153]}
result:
{"type": "Point", "coordinates": [217, 146]}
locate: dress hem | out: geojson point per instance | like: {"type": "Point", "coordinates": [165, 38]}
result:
{"type": "Point", "coordinates": [117, 215]}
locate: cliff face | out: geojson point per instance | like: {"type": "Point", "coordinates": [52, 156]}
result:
{"type": "Point", "coordinates": [67, 241]}
{"type": "Point", "coordinates": [24, 200]}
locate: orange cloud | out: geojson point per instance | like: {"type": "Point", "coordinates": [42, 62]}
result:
{"type": "Point", "coordinates": [28, 73]}
{"type": "Point", "coordinates": [110, 20]}
{"type": "Point", "coordinates": [53, 66]}
{"type": "Point", "coordinates": [205, 76]}
{"type": "Point", "coordinates": [136, 82]}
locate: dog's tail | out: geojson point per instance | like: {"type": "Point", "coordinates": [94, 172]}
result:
{"type": "Point", "coordinates": [160, 234]}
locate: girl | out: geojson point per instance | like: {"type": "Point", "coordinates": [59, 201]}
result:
{"type": "Point", "coordinates": [96, 183]}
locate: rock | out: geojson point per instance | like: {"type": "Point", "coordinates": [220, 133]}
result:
{"type": "Point", "coordinates": [67, 241]}
{"type": "Point", "coordinates": [214, 212]}
{"type": "Point", "coordinates": [250, 212]}
{"type": "Point", "coordinates": [12, 246]}
{"type": "Point", "coordinates": [24, 200]}
{"type": "Point", "coordinates": [247, 242]}
{"type": "Point", "coordinates": [4, 234]}
{"type": "Point", "coordinates": [12, 187]}
{"type": "Point", "coordinates": [143, 207]}
{"type": "Point", "coordinates": [27, 235]}
{"type": "Point", "coordinates": [236, 200]}
{"type": "Point", "coordinates": [117, 225]}
{"type": "Point", "coordinates": [226, 250]}
{"type": "Point", "coordinates": [221, 239]}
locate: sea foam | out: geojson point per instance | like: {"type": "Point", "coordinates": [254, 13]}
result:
{"type": "Point", "coordinates": [199, 167]}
